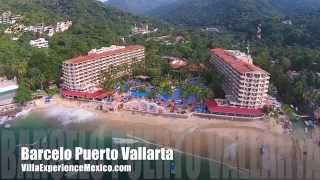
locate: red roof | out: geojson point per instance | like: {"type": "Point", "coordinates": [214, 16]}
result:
{"type": "Point", "coordinates": [95, 95]}
{"type": "Point", "coordinates": [237, 64]}
{"type": "Point", "coordinates": [92, 57]}
{"type": "Point", "coordinates": [213, 107]}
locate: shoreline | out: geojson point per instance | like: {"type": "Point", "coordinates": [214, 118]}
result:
{"type": "Point", "coordinates": [203, 138]}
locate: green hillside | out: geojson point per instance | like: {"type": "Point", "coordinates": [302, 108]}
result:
{"type": "Point", "coordinates": [94, 25]}
{"type": "Point", "coordinates": [231, 12]}
{"type": "Point", "coordinates": [242, 17]}
{"type": "Point", "coordinates": [138, 6]}
{"type": "Point", "coordinates": [216, 12]}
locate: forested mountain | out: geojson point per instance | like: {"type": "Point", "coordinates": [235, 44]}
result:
{"type": "Point", "coordinates": [84, 12]}
{"type": "Point", "coordinates": [138, 6]}
{"type": "Point", "coordinates": [217, 12]}
{"type": "Point", "coordinates": [290, 38]}
{"type": "Point", "coordinates": [243, 16]}
{"type": "Point", "coordinates": [295, 7]}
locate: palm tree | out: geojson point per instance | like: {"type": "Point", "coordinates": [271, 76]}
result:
{"type": "Point", "coordinates": [165, 86]}
{"type": "Point", "coordinates": [20, 69]}
{"type": "Point", "coordinates": [203, 93]}
{"type": "Point", "coordinates": [109, 84]}
{"type": "Point", "coordinates": [187, 90]}
{"type": "Point", "coordinates": [37, 77]}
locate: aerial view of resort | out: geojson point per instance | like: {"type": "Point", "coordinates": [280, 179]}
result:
{"type": "Point", "coordinates": [161, 89]}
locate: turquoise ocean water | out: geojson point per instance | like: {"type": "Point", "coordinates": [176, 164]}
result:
{"type": "Point", "coordinates": [36, 132]}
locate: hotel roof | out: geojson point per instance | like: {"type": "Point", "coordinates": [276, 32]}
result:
{"type": "Point", "coordinates": [96, 56]}
{"type": "Point", "coordinates": [237, 64]}
{"type": "Point", "coordinates": [213, 107]}
{"type": "Point", "coordinates": [95, 95]}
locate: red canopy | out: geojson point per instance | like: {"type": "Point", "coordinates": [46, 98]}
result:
{"type": "Point", "coordinates": [95, 95]}
{"type": "Point", "coordinates": [213, 107]}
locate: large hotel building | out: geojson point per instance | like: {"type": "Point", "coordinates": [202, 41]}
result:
{"type": "Point", "coordinates": [245, 84]}
{"type": "Point", "coordinates": [86, 73]}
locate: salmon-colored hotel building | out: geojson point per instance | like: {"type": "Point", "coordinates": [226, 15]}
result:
{"type": "Point", "coordinates": [245, 84]}
{"type": "Point", "coordinates": [85, 73]}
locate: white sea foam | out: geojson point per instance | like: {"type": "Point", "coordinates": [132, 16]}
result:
{"type": "Point", "coordinates": [70, 115]}
{"type": "Point", "coordinates": [124, 141]}
{"type": "Point", "coordinates": [7, 119]}
{"type": "Point", "coordinates": [23, 113]}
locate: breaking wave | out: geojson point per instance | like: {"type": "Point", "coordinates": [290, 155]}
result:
{"type": "Point", "coordinates": [70, 115]}
{"type": "Point", "coordinates": [7, 119]}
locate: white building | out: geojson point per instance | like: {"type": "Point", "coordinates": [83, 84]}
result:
{"type": "Point", "coordinates": [212, 29]}
{"type": "Point", "coordinates": [85, 73]}
{"type": "Point", "coordinates": [8, 18]}
{"type": "Point", "coordinates": [63, 26]}
{"type": "Point", "coordinates": [36, 29]}
{"type": "Point", "coordinates": [245, 84]}
{"type": "Point", "coordinates": [50, 32]}
{"type": "Point", "coordinates": [287, 22]}
{"type": "Point", "coordinates": [39, 43]}
{"type": "Point", "coordinates": [143, 29]}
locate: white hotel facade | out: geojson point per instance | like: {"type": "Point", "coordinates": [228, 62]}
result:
{"type": "Point", "coordinates": [245, 84]}
{"type": "Point", "coordinates": [39, 43]}
{"type": "Point", "coordinates": [85, 73]}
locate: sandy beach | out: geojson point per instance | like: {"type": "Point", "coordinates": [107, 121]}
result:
{"type": "Point", "coordinates": [258, 147]}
